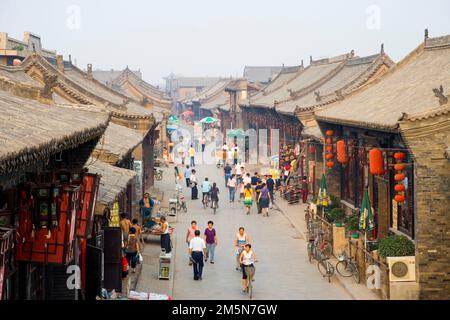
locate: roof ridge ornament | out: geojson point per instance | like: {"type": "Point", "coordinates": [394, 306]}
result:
{"type": "Point", "coordinates": [426, 34]}
{"type": "Point", "coordinates": [382, 49]}
{"type": "Point", "coordinates": [439, 93]}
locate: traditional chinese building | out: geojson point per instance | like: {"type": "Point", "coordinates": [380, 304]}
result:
{"type": "Point", "coordinates": [140, 90]}
{"type": "Point", "coordinates": [46, 196]}
{"type": "Point", "coordinates": [65, 83]}
{"type": "Point", "coordinates": [402, 115]}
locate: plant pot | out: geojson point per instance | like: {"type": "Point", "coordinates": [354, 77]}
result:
{"type": "Point", "coordinates": [355, 235]}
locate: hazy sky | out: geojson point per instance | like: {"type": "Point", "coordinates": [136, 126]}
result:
{"type": "Point", "coordinates": [218, 38]}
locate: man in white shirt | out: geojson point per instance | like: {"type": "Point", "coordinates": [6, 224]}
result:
{"type": "Point", "coordinates": [197, 248]}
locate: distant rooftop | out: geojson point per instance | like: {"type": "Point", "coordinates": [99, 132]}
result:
{"type": "Point", "coordinates": [108, 76]}
{"type": "Point", "coordinates": [263, 74]}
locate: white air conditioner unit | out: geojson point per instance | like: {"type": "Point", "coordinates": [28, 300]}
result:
{"type": "Point", "coordinates": [402, 268]}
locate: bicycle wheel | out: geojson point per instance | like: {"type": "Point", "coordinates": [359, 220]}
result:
{"type": "Point", "coordinates": [309, 249]}
{"type": "Point", "coordinates": [344, 268]}
{"type": "Point", "coordinates": [325, 268]}
{"type": "Point", "coordinates": [356, 275]}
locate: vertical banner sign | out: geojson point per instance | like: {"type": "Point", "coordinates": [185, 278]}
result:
{"type": "Point", "coordinates": [137, 167]}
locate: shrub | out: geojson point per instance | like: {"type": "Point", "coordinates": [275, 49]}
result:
{"type": "Point", "coordinates": [352, 223]}
{"type": "Point", "coordinates": [336, 215]}
{"type": "Point", "coordinates": [396, 246]}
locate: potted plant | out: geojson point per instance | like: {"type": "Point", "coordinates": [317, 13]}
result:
{"type": "Point", "coordinates": [336, 216]}
{"type": "Point", "coordinates": [352, 226]}
{"type": "Point", "coordinates": [396, 246]}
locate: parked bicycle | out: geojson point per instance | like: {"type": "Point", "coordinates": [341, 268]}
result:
{"type": "Point", "coordinates": [346, 267]}
{"type": "Point", "coordinates": [324, 265]}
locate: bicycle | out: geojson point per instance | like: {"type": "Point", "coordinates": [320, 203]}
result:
{"type": "Point", "coordinates": [250, 272]}
{"type": "Point", "coordinates": [347, 267]}
{"type": "Point", "coordinates": [325, 267]}
{"type": "Point", "coordinates": [205, 200]}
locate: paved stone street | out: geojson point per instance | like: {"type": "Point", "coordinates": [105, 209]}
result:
{"type": "Point", "coordinates": [282, 271]}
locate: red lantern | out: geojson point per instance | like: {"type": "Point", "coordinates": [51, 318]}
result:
{"type": "Point", "coordinates": [399, 155]}
{"type": "Point", "coordinates": [329, 148]}
{"type": "Point", "coordinates": [330, 164]}
{"type": "Point", "coordinates": [399, 198]}
{"type": "Point", "coordinates": [329, 132]}
{"type": "Point", "coordinates": [399, 177]}
{"type": "Point", "coordinates": [376, 162]}
{"type": "Point", "coordinates": [399, 187]}
{"type": "Point", "coordinates": [341, 151]}
{"type": "Point", "coordinates": [329, 141]}
{"type": "Point", "coordinates": [399, 166]}
{"type": "Point", "coordinates": [329, 156]}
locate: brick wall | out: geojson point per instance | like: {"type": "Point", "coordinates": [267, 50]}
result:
{"type": "Point", "coordinates": [427, 138]}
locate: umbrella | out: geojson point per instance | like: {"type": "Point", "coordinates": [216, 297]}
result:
{"type": "Point", "coordinates": [188, 113]}
{"type": "Point", "coordinates": [239, 133]}
{"type": "Point", "coordinates": [208, 120]}
{"type": "Point", "coordinates": [366, 221]}
{"type": "Point", "coordinates": [323, 198]}
{"type": "Point", "coordinates": [172, 119]}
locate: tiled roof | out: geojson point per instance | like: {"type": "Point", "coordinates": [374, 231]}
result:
{"type": "Point", "coordinates": [405, 88]}
{"type": "Point", "coordinates": [113, 180]}
{"type": "Point", "coordinates": [119, 140]}
{"type": "Point", "coordinates": [146, 89]}
{"type": "Point", "coordinates": [17, 74]}
{"type": "Point", "coordinates": [263, 74]}
{"type": "Point", "coordinates": [108, 76]}
{"type": "Point", "coordinates": [354, 73]}
{"type": "Point", "coordinates": [31, 130]}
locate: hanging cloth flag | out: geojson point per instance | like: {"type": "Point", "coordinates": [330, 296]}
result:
{"type": "Point", "coordinates": [366, 221]}
{"type": "Point", "coordinates": [323, 198]}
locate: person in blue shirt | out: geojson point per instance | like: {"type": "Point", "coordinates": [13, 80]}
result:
{"type": "Point", "coordinates": [187, 176]}
{"type": "Point", "coordinates": [206, 187]}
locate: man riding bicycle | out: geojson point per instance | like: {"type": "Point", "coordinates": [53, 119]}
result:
{"type": "Point", "coordinates": [206, 187]}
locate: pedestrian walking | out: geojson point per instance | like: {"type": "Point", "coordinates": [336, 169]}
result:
{"type": "Point", "coordinates": [125, 225]}
{"type": "Point", "coordinates": [165, 235]}
{"type": "Point", "coordinates": [211, 242]}
{"type": "Point", "coordinates": [304, 186]}
{"type": "Point", "coordinates": [264, 200]}
{"type": "Point", "coordinates": [225, 151]}
{"type": "Point", "coordinates": [271, 187]}
{"type": "Point", "coordinates": [138, 228]}
{"type": "Point", "coordinates": [194, 183]}
{"type": "Point", "coordinates": [258, 189]}
{"type": "Point", "coordinates": [132, 249]}
{"type": "Point", "coordinates": [176, 172]}
{"type": "Point", "coordinates": [187, 176]}
{"type": "Point", "coordinates": [181, 153]}
{"type": "Point", "coordinates": [227, 172]}
{"type": "Point", "coordinates": [203, 143]}
{"type": "Point", "coordinates": [190, 235]}
{"type": "Point", "coordinates": [248, 198]}
{"type": "Point", "coordinates": [166, 156]}
{"type": "Point", "coordinates": [235, 155]}
{"type": "Point", "coordinates": [197, 248]}
{"type": "Point", "coordinates": [191, 152]}
{"type": "Point", "coordinates": [232, 187]}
